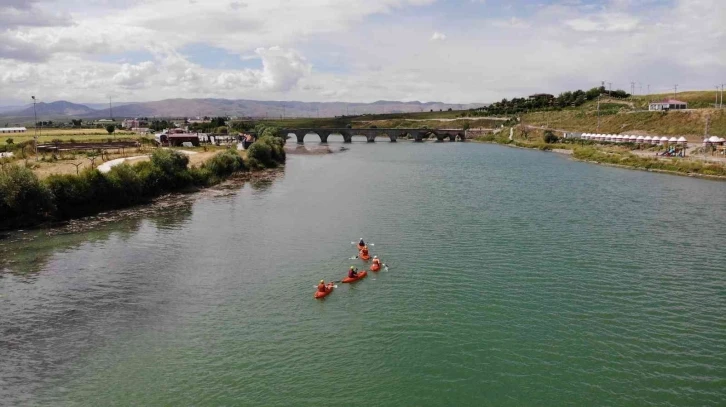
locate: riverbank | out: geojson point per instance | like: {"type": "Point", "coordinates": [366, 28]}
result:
{"type": "Point", "coordinates": [614, 155]}
{"type": "Point", "coordinates": [28, 201]}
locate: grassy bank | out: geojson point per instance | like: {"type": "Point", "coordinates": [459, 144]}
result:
{"type": "Point", "coordinates": [27, 201]}
{"type": "Point", "coordinates": [615, 154]}
{"type": "Point", "coordinates": [626, 159]}
{"type": "Point", "coordinates": [616, 119]}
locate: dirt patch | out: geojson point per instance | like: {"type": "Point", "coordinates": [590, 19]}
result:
{"type": "Point", "coordinates": [303, 150]}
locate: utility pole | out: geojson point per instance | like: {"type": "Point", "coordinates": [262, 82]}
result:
{"type": "Point", "coordinates": [110, 108]}
{"type": "Point", "coordinates": [649, 89]}
{"type": "Point", "coordinates": [610, 85]}
{"type": "Point", "coordinates": [35, 113]}
{"type": "Point", "coordinates": [721, 104]}
{"type": "Point", "coordinates": [640, 86]}
{"type": "Point", "coordinates": [632, 88]}
{"type": "Point", "coordinates": [598, 113]}
{"type": "Point", "coordinates": [675, 91]}
{"type": "Point", "coordinates": [283, 110]}
{"type": "Point", "coordinates": [715, 104]}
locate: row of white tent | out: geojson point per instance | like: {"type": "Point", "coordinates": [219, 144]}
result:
{"type": "Point", "coordinates": [713, 140]}
{"type": "Point", "coordinates": [624, 138]}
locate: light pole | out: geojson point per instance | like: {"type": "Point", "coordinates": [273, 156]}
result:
{"type": "Point", "coordinates": [35, 137]}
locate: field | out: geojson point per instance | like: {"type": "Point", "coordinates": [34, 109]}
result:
{"type": "Point", "coordinates": [47, 135]}
{"type": "Point", "coordinates": [622, 120]}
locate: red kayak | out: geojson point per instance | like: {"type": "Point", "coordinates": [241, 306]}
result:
{"type": "Point", "coordinates": [364, 257]}
{"type": "Point", "coordinates": [360, 275]}
{"type": "Point", "coordinates": [361, 247]}
{"type": "Point", "coordinates": [375, 266]}
{"type": "Point", "coordinates": [322, 294]}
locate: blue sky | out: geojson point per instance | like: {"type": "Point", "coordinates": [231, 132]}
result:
{"type": "Point", "coordinates": [360, 51]}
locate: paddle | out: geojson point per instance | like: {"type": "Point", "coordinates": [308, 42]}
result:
{"type": "Point", "coordinates": [369, 244]}
{"type": "Point", "coordinates": [334, 286]}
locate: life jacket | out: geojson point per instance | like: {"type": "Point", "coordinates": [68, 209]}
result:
{"type": "Point", "coordinates": [322, 288]}
{"type": "Point", "coordinates": [351, 274]}
{"type": "Point", "coordinates": [365, 251]}
{"type": "Point", "coordinates": [376, 261]}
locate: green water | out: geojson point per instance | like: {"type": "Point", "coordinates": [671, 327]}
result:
{"type": "Point", "coordinates": [516, 278]}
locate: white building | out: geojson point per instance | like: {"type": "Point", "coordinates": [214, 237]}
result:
{"type": "Point", "coordinates": [4, 130]}
{"type": "Point", "coordinates": [668, 104]}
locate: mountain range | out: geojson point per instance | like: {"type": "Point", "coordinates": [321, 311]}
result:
{"type": "Point", "coordinates": [63, 110]}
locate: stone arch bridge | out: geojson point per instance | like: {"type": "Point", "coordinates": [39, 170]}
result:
{"type": "Point", "coordinates": [370, 134]}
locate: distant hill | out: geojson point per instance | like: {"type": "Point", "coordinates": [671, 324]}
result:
{"type": "Point", "coordinates": [227, 107]}
{"type": "Point", "coordinates": [53, 109]}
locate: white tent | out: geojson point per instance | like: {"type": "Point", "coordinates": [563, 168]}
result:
{"type": "Point", "coordinates": [664, 140]}
{"type": "Point", "coordinates": [633, 139]}
{"type": "Point", "coordinates": [639, 139]}
{"type": "Point", "coordinates": [682, 140]}
{"type": "Point", "coordinates": [672, 140]}
{"type": "Point", "coordinates": [647, 139]}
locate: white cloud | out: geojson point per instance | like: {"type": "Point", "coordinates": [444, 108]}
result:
{"type": "Point", "coordinates": [358, 50]}
{"type": "Point", "coordinates": [134, 75]}
{"type": "Point", "coordinates": [608, 22]}
{"type": "Point", "coordinates": [282, 69]}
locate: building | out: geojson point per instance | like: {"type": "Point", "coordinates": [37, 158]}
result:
{"type": "Point", "coordinates": [178, 140]}
{"type": "Point", "coordinates": [4, 130]}
{"type": "Point", "coordinates": [668, 104]}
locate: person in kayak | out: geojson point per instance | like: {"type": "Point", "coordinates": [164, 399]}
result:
{"type": "Point", "coordinates": [376, 260]}
{"type": "Point", "coordinates": [364, 251]}
{"type": "Point", "coordinates": [322, 287]}
{"type": "Point", "coordinates": [352, 273]}
{"type": "Point", "coordinates": [361, 243]}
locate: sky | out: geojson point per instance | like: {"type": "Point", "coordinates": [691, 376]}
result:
{"type": "Point", "coordinates": [456, 51]}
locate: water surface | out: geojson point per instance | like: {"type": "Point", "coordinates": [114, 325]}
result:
{"type": "Point", "coordinates": [516, 278]}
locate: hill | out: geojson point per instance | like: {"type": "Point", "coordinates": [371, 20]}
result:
{"type": "Point", "coordinates": [53, 109]}
{"type": "Point", "coordinates": [227, 107]}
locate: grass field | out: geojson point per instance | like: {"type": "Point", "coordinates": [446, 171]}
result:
{"type": "Point", "coordinates": [621, 120]}
{"type": "Point", "coordinates": [47, 135]}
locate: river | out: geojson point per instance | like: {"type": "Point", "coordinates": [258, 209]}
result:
{"type": "Point", "coordinates": [516, 277]}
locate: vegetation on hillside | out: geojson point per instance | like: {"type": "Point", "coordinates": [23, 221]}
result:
{"type": "Point", "coordinates": [547, 102]}
{"type": "Point", "coordinates": [619, 119]}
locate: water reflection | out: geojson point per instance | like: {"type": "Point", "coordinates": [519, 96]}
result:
{"type": "Point", "coordinates": [29, 252]}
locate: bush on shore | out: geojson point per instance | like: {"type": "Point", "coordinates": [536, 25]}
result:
{"type": "Point", "coordinates": [266, 152]}
{"type": "Point", "coordinates": [26, 201]}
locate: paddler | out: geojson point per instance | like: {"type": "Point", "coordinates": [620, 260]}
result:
{"type": "Point", "coordinates": [376, 260]}
{"type": "Point", "coordinates": [352, 273]}
{"type": "Point", "coordinates": [322, 287]}
{"type": "Point", "coordinates": [364, 251]}
{"type": "Point", "coordinates": [361, 243]}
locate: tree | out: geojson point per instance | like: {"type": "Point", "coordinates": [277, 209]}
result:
{"type": "Point", "coordinates": [550, 137]}
{"type": "Point", "coordinates": [10, 140]}
{"type": "Point", "coordinates": [110, 128]}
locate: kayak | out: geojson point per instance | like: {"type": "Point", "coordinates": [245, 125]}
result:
{"type": "Point", "coordinates": [360, 275]}
{"type": "Point", "coordinates": [364, 257]}
{"type": "Point", "coordinates": [328, 289]}
{"type": "Point", "coordinates": [361, 247]}
{"type": "Point", "coordinates": [375, 266]}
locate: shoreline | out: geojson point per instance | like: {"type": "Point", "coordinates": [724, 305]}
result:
{"type": "Point", "coordinates": [570, 153]}
{"type": "Point", "coordinates": [156, 205]}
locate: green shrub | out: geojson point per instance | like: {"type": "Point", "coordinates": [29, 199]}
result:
{"type": "Point", "coordinates": [125, 186]}
{"type": "Point", "coordinates": [260, 155]}
{"type": "Point", "coordinates": [25, 200]}
{"type": "Point", "coordinates": [225, 163]}
{"type": "Point", "coordinates": [550, 137]}
{"type": "Point", "coordinates": [71, 195]}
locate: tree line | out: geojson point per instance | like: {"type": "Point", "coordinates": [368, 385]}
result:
{"type": "Point", "coordinates": [547, 102]}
